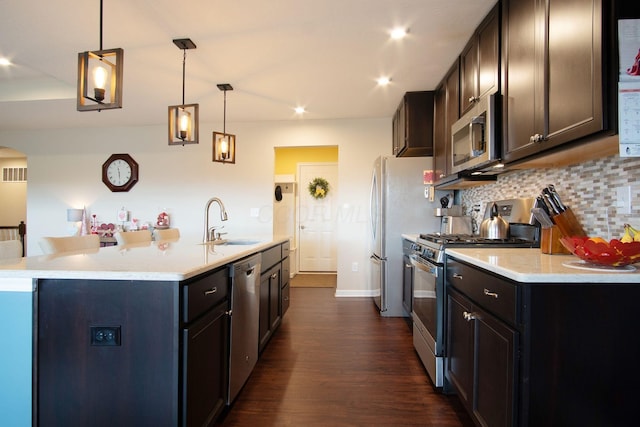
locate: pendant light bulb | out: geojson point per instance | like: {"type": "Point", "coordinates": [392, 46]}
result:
{"type": "Point", "coordinates": [100, 75]}
{"type": "Point", "coordinates": [224, 147]}
{"type": "Point", "coordinates": [185, 122]}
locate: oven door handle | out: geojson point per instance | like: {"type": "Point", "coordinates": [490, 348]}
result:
{"type": "Point", "coordinates": [424, 265]}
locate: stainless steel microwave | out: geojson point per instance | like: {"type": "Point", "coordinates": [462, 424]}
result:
{"type": "Point", "coordinates": [473, 136]}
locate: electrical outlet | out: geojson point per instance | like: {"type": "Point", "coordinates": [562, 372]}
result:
{"type": "Point", "coordinates": [354, 266]}
{"type": "Point", "coordinates": [624, 199]}
{"type": "Point", "coordinates": [105, 335]}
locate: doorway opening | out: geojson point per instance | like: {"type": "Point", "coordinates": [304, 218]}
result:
{"type": "Point", "coordinates": [309, 221]}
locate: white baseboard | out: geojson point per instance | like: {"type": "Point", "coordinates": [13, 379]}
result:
{"type": "Point", "coordinates": [355, 293]}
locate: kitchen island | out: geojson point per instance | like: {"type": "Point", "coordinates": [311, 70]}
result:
{"type": "Point", "coordinates": [532, 341]}
{"type": "Point", "coordinates": [140, 300]}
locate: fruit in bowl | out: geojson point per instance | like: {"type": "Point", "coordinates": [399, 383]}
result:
{"type": "Point", "coordinates": [597, 250]}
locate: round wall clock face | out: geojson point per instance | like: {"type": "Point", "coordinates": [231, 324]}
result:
{"type": "Point", "coordinates": [120, 172]}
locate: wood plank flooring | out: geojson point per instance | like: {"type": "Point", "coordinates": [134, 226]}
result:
{"type": "Point", "coordinates": [336, 362]}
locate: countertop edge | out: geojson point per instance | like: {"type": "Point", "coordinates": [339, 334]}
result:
{"type": "Point", "coordinates": [531, 266]}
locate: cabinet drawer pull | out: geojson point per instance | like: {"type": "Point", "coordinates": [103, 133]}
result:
{"type": "Point", "coordinates": [488, 293]}
{"type": "Point", "coordinates": [469, 316]}
{"type": "Point", "coordinates": [211, 291]}
{"type": "Point", "coordinates": [457, 276]}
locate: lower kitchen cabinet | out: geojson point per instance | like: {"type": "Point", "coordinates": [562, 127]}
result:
{"type": "Point", "coordinates": [131, 353]}
{"type": "Point", "coordinates": [481, 361]}
{"type": "Point", "coordinates": [274, 291]}
{"type": "Point", "coordinates": [542, 354]}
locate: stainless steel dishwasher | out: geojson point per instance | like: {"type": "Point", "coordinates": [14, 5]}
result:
{"type": "Point", "coordinates": [245, 317]}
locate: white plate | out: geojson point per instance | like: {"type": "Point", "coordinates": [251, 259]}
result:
{"type": "Point", "coordinates": [583, 265]}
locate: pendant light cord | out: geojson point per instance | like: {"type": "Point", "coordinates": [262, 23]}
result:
{"type": "Point", "coordinates": [224, 115]}
{"type": "Point", "coordinates": [100, 24]}
{"type": "Point", "coordinates": [184, 62]}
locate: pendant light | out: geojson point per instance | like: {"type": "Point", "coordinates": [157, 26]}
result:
{"type": "Point", "coordinates": [183, 119]}
{"type": "Point", "coordinates": [100, 77]}
{"type": "Point", "coordinates": [224, 144]}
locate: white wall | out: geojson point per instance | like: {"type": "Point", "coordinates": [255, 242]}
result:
{"type": "Point", "coordinates": [65, 171]}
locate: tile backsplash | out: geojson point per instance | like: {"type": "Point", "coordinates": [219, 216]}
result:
{"type": "Point", "coordinates": [590, 189]}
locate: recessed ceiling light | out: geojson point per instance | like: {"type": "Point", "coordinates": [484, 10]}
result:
{"type": "Point", "coordinates": [383, 81]}
{"type": "Point", "coordinates": [398, 33]}
{"type": "Point", "coordinates": [300, 110]}
{"type": "Point", "coordinates": [5, 62]}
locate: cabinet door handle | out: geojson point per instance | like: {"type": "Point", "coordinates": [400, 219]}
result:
{"type": "Point", "coordinates": [457, 276]}
{"type": "Point", "coordinates": [469, 316]}
{"type": "Point", "coordinates": [211, 291]}
{"type": "Point", "coordinates": [274, 275]}
{"type": "Point", "coordinates": [488, 293]}
{"type": "Point", "coordinates": [229, 313]}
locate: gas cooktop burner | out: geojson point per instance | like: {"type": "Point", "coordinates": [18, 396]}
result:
{"type": "Point", "coordinates": [468, 239]}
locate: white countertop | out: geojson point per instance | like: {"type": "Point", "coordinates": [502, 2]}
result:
{"type": "Point", "coordinates": [532, 266]}
{"type": "Point", "coordinates": [164, 261]}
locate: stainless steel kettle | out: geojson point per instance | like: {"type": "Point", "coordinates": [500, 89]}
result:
{"type": "Point", "coordinates": [494, 227]}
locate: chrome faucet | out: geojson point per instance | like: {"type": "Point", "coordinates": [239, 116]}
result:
{"type": "Point", "coordinates": [209, 232]}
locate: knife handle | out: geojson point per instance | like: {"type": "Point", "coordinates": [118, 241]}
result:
{"type": "Point", "coordinates": [568, 224]}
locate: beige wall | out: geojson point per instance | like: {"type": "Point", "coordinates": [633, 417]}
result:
{"type": "Point", "coordinates": [65, 172]}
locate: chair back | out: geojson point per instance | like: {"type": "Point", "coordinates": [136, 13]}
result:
{"type": "Point", "coordinates": [166, 234]}
{"type": "Point", "coordinates": [127, 237]}
{"type": "Point", "coordinates": [54, 245]}
{"type": "Point", "coordinates": [10, 249]}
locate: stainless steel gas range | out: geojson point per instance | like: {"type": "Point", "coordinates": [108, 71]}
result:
{"type": "Point", "coordinates": [427, 258]}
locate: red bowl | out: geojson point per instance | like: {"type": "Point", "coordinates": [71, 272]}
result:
{"type": "Point", "coordinates": [598, 251]}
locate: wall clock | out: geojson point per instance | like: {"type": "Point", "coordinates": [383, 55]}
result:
{"type": "Point", "coordinates": [120, 172]}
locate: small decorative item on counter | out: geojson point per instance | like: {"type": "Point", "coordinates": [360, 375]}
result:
{"type": "Point", "coordinates": [123, 215]}
{"type": "Point", "coordinates": [134, 224]}
{"type": "Point", "coordinates": [163, 220]}
{"type": "Point", "coordinates": [318, 188]}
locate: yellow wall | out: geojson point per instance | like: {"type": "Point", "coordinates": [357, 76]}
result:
{"type": "Point", "coordinates": [287, 158]}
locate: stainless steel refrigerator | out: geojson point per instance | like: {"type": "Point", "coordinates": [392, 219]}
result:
{"type": "Point", "coordinates": [398, 206]}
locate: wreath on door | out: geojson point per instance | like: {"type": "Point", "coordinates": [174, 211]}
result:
{"type": "Point", "coordinates": [318, 188]}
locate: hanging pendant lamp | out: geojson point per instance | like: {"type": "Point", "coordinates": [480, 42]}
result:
{"type": "Point", "coordinates": [100, 77]}
{"type": "Point", "coordinates": [224, 144]}
{"type": "Point", "coordinates": [183, 119]}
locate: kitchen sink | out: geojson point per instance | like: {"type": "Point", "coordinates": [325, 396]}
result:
{"type": "Point", "coordinates": [239, 242]}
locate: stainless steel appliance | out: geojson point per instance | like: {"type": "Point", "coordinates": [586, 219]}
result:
{"type": "Point", "coordinates": [474, 136]}
{"type": "Point", "coordinates": [455, 225]}
{"type": "Point", "coordinates": [245, 316]}
{"type": "Point", "coordinates": [428, 258]}
{"type": "Point", "coordinates": [397, 205]}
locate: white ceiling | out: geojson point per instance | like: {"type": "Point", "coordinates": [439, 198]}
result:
{"type": "Point", "coordinates": [321, 54]}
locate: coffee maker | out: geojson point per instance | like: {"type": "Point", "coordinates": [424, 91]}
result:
{"type": "Point", "coordinates": [452, 220]}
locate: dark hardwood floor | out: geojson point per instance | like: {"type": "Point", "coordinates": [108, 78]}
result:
{"type": "Point", "coordinates": [336, 362]}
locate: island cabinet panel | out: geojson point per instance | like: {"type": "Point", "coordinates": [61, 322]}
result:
{"type": "Point", "coordinates": [553, 74]}
{"type": "Point", "coordinates": [132, 353]}
{"type": "Point", "coordinates": [85, 375]}
{"type": "Point", "coordinates": [274, 291]}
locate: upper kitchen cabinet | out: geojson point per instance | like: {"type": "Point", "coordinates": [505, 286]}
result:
{"type": "Point", "coordinates": [480, 62]}
{"type": "Point", "coordinates": [446, 112]}
{"type": "Point", "coordinates": [413, 125]}
{"type": "Point", "coordinates": [552, 74]}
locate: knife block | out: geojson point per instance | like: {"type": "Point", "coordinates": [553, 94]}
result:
{"type": "Point", "coordinates": [550, 241]}
{"type": "Point", "coordinates": [568, 224]}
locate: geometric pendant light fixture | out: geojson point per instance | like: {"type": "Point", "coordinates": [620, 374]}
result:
{"type": "Point", "coordinates": [183, 119]}
{"type": "Point", "coordinates": [224, 144]}
{"type": "Point", "coordinates": [100, 77]}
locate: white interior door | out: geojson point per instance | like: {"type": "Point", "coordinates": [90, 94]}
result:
{"type": "Point", "coordinates": [317, 219]}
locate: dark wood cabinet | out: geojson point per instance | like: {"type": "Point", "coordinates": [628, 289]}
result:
{"type": "Point", "coordinates": [481, 361]}
{"type": "Point", "coordinates": [131, 352]}
{"type": "Point", "coordinates": [446, 113]}
{"type": "Point", "coordinates": [205, 346]}
{"type": "Point", "coordinates": [552, 74]}
{"type": "Point", "coordinates": [412, 133]}
{"type": "Point", "coordinates": [480, 62]}
{"type": "Point", "coordinates": [274, 291]}
{"type": "Point", "coordinates": [536, 354]}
